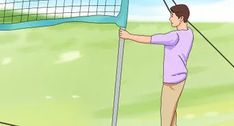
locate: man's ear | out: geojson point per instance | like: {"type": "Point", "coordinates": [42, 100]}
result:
{"type": "Point", "coordinates": [181, 19]}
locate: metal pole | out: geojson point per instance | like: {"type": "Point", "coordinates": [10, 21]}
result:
{"type": "Point", "coordinates": [118, 82]}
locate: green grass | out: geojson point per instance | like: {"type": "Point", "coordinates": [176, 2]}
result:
{"type": "Point", "coordinates": [34, 74]}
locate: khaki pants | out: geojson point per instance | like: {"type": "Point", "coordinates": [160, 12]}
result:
{"type": "Point", "coordinates": [169, 100]}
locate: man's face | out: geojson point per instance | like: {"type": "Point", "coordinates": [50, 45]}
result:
{"type": "Point", "coordinates": [175, 21]}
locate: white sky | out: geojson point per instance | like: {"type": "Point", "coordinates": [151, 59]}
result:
{"type": "Point", "coordinates": [215, 11]}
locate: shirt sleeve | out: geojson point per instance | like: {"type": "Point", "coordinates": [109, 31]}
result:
{"type": "Point", "coordinates": [167, 39]}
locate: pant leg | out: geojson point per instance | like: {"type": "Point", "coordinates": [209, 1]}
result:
{"type": "Point", "coordinates": [169, 99]}
{"type": "Point", "coordinates": [174, 120]}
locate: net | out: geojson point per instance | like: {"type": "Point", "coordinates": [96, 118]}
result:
{"type": "Point", "coordinates": [18, 14]}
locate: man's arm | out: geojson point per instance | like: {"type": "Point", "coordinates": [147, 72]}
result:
{"type": "Point", "coordinates": [167, 39]}
{"type": "Point", "coordinates": [137, 38]}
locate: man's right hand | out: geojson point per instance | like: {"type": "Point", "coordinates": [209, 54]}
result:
{"type": "Point", "coordinates": [137, 38]}
{"type": "Point", "coordinates": [124, 34]}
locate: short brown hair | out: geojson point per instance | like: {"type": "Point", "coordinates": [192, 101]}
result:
{"type": "Point", "coordinates": [181, 10]}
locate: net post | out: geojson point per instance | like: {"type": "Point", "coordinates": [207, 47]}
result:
{"type": "Point", "coordinates": [118, 81]}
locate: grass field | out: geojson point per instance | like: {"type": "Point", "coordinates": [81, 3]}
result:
{"type": "Point", "coordinates": [64, 76]}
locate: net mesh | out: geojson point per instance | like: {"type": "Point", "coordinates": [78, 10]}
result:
{"type": "Point", "coordinates": [17, 11]}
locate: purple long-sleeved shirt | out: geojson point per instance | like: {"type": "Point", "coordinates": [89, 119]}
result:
{"type": "Point", "coordinates": [177, 47]}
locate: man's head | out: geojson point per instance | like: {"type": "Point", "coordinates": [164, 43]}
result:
{"type": "Point", "coordinates": [179, 14]}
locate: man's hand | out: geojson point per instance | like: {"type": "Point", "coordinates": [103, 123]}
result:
{"type": "Point", "coordinates": [124, 34]}
{"type": "Point", "coordinates": [137, 38]}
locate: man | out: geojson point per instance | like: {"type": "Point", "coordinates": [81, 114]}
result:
{"type": "Point", "coordinates": [177, 47]}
